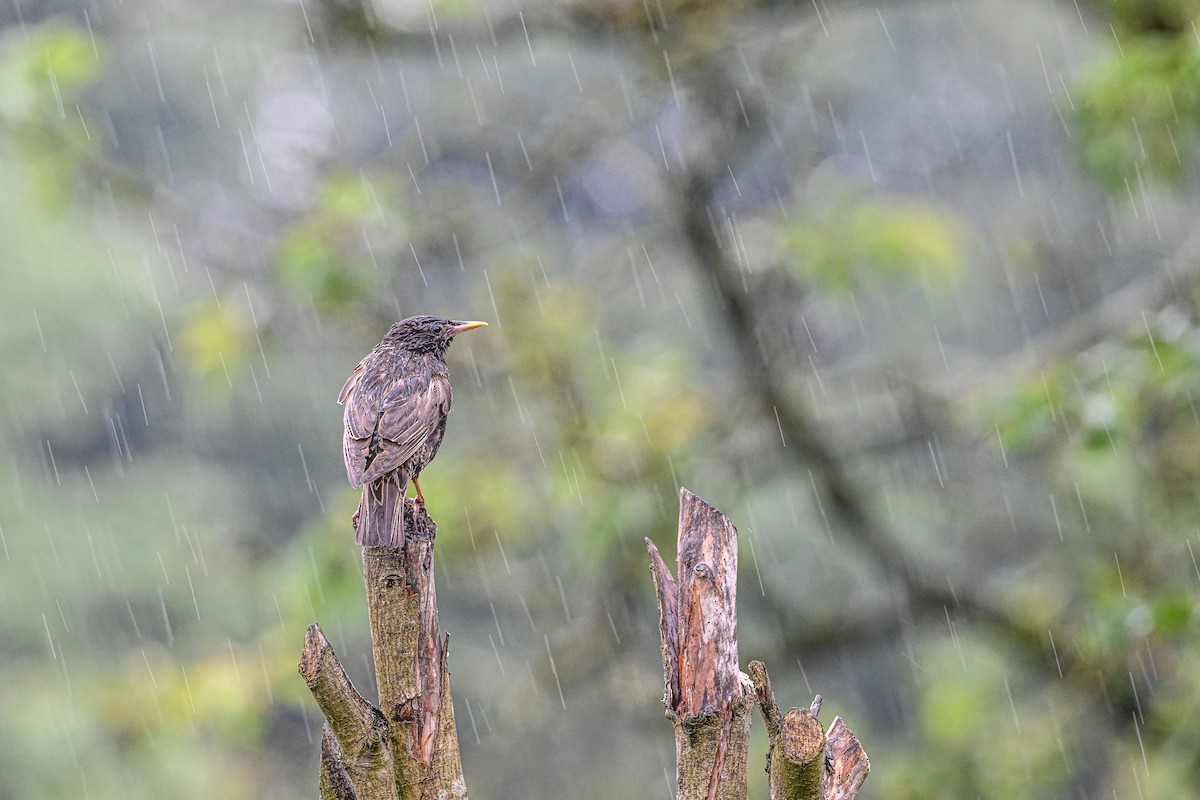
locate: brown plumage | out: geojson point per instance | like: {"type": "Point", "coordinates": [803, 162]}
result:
{"type": "Point", "coordinates": [396, 403]}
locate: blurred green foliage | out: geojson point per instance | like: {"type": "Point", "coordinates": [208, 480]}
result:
{"type": "Point", "coordinates": [1141, 107]}
{"type": "Point", "coordinates": [855, 242]}
{"type": "Point", "coordinates": [329, 256]}
{"type": "Point", "coordinates": [1139, 104]}
{"type": "Point", "coordinates": [964, 683]}
{"type": "Point", "coordinates": [1120, 421]}
{"type": "Point", "coordinates": [217, 341]}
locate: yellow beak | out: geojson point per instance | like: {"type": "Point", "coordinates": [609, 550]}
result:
{"type": "Point", "coordinates": [459, 327]}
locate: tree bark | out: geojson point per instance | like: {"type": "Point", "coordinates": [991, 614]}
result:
{"type": "Point", "coordinates": [408, 750]}
{"type": "Point", "coordinates": [795, 742]}
{"type": "Point", "coordinates": [803, 761]}
{"type": "Point", "coordinates": [335, 780]}
{"type": "Point", "coordinates": [360, 731]}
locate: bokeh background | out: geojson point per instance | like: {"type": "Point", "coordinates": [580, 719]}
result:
{"type": "Point", "coordinates": [907, 289]}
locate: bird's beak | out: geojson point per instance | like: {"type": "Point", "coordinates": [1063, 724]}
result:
{"type": "Point", "coordinates": [459, 327]}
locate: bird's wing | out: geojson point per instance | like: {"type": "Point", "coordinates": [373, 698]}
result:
{"type": "Point", "coordinates": [351, 382]}
{"type": "Point", "coordinates": [386, 423]}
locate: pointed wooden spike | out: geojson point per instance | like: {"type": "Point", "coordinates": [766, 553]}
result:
{"type": "Point", "coordinates": [766, 697]}
{"type": "Point", "coordinates": [668, 624]}
{"type": "Point", "coordinates": [848, 763]}
{"type": "Point", "coordinates": [706, 570]}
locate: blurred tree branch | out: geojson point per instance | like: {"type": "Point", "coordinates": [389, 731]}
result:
{"type": "Point", "coordinates": [841, 497]}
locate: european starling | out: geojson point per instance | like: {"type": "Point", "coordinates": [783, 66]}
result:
{"type": "Point", "coordinates": [396, 402]}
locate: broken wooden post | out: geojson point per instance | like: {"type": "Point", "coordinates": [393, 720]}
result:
{"type": "Point", "coordinates": [709, 699]}
{"type": "Point", "coordinates": [406, 749]}
{"type": "Point", "coordinates": [704, 695]}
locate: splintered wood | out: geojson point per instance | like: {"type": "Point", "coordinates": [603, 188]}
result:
{"type": "Point", "coordinates": [847, 764]}
{"type": "Point", "coordinates": [698, 613]}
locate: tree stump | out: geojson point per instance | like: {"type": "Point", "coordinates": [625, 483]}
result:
{"type": "Point", "coordinates": [407, 749]}
{"type": "Point", "coordinates": [708, 699]}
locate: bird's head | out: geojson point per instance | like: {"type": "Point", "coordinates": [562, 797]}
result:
{"type": "Point", "coordinates": [426, 334]}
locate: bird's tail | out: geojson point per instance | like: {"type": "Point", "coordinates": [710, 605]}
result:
{"type": "Point", "coordinates": [381, 513]}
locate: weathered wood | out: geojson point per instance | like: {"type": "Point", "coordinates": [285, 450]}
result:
{"type": "Point", "coordinates": [795, 742]}
{"type": "Point", "coordinates": [709, 700]}
{"type": "Point", "coordinates": [410, 660]}
{"type": "Point", "coordinates": [360, 730]}
{"type": "Point", "coordinates": [408, 750]}
{"type": "Point", "coordinates": [393, 611]}
{"type": "Point", "coordinates": [711, 753]}
{"type": "Point", "coordinates": [797, 764]}
{"type": "Point", "coordinates": [848, 764]}
{"type": "Point", "coordinates": [766, 698]}
{"type": "Point", "coordinates": [704, 692]}
{"type": "Point", "coordinates": [668, 625]}
{"type": "Point", "coordinates": [706, 570]}
{"type": "Point", "coordinates": [446, 771]}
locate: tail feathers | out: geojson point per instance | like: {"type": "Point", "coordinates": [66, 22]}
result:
{"type": "Point", "coordinates": [381, 513]}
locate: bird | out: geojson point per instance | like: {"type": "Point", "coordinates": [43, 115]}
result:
{"type": "Point", "coordinates": [396, 401]}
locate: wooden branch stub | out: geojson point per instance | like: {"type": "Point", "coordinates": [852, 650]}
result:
{"type": "Point", "coordinates": [848, 764]}
{"type": "Point", "coordinates": [360, 730]}
{"type": "Point", "coordinates": [766, 698]}
{"type": "Point", "coordinates": [703, 691]}
{"type": "Point", "coordinates": [795, 743]}
{"type": "Point", "coordinates": [796, 763]}
{"type": "Point", "coordinates": [347, 712]}
{"type": "Point", "coordinates": [804, 762]}
{"type": "Point", "coordinates": [335, 780]}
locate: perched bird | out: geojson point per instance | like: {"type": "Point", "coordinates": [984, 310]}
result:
{"type": "Point", "coordinates": [396, 403]}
